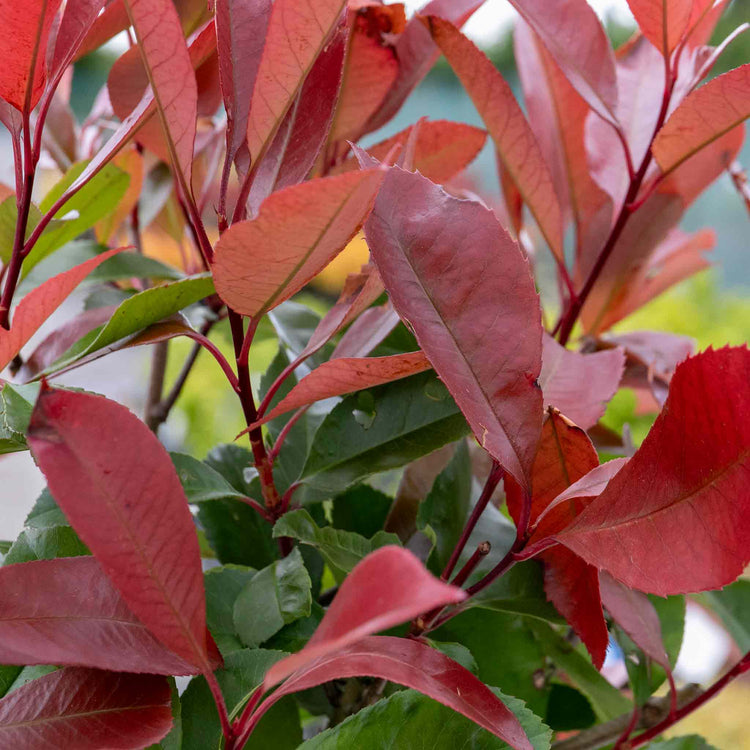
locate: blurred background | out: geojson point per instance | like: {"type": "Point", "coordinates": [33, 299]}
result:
{"type": "Point", "coordinates": [713, 308]}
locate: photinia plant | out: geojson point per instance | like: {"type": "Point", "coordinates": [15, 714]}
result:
{"type": "Point", "coordinates": [433, 538]}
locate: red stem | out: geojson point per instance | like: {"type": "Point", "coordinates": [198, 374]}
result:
{"type": "Point", "coordinates": [482, 550]}
{"type": "Point", "coordinates": [226, 728]}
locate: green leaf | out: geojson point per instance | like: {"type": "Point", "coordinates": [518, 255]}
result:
{"type": "Point", "coordinates": [243, 672]}
{"type": "Point", "coordinates": [27, 674]}
{"type": "Point", "coordinates": [16, 405]}
{"type": "Point", "coordinates": [505, 650]}
{"type": "Point", "coordinates": [45, 544]}
{"type": "Point", "coordinates": [671, 612]}
{"type": "Point", "coordinates": [383, 428]}
{"type": "Point", "coordinates": [223, 585]}
{"type": "Point", "coordinates": [361, 509]}
{"type": "Point", "coordinates": [688, 742]}
{"type": "Point", "coordinates": [294, 636]}
{"type": "Point", "coordinates": [8, 221]}
{"type": "Point", "coordinates": [342, 550]}
{"type": "Point", "coordinates": [446, 507]}
{"type": "Point", "coordinates": [294, 324]}
{"type": "Point", "coordinates": [605, 699]}
{"type": "Point", "coordinates": [409, 719]}
{"type": "Point", "coordinates": [45, 513]}
{"type": "Point", "coordinates": [200, 481]}
{"type": "Point", "coordinates": [274, 597]}
{"type": "Point", "coordinates": [568, 709]}
{"type": "Point", "coordinates": [130, 265]}
{"type": "Point", "coordinates": [138, 312]}
{"type": "Point", "coordinates": [732, 604]}
{"type": "Point", "coordinates": [8, 675]}
{"type": "Point", "coordinates": [95, 200]}
{"type": "Point", "coordinates": [459, 653]}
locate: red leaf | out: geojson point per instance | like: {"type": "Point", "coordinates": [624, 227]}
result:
{"type": "Point", "coordinates": [515, 142]}
{"type": "Point", "coordinates": [579, 385]}
{"type": "Point", "coordinates": [113, 19]}
{"type": "Point", "coordinates": [388, 587]}
{"type": "Point", "coordinates": [417, 666]}
{"type": "Point", "coordinates": [578, 43]}
{"type": "Point", "coordinates": [676, 518]}
{"type": "Point", "coordinates": [297, 33]}
{"type": "Point", "coordinates": [118, 487]}
{"type": "Point", "coordinates": [635, 614]}
{"type": "Point", "coordinates": [704, 116]}
{"type": "Point", "coordinates": [339, 376]}
{"type": "Point", "coordinates": [443, 149]}
{"type": "Point", "coordinates": [23, 46]}
{"type": "Point", "coordinates": [75, 24]}
{"type": "Point", "coordinates": [170, 71]}
{"type": "Point", "coordinates": [663, 22]}
{"type": "Point", "coordinates": [298, 231]}
{"type": "Point", "coordinates": [67, 612]}
{"type": "Point", "coordinates": [369, 330]}
{"type": "Point", "coordinates": [417, 53]}
{"type": "Point", "coordinates": [241, 28]}
{"type": "Point", "coordinates": [86, 709]}
{"type": "Point", "coordinates": [461, 282]}
{"type": "Point", "coordinates": [40, 303]}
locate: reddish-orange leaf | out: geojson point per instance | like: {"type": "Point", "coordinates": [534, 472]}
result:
{"type": "Point", "coordinates": [40, 303]}
{"type": "Point", "coordinates": [663, 22]}
{"type": "Point", "coordinates": [676, 518]}
{"type": "Point", "coordinates": [118, 487]}
{"type": "Point", "coordinates": [339, 376]}
{"type": "Point", "coordinates": [297, 32]}
{"type": "Point", "coordinates": [367, 331]}
{"type": "Point", "coordinates": [507, 125]}
{"type": "Point", "coordinates": [298, 231]}
{"type": "Point", "coordinates": [23, 48]}
{"type": "Point", "coordinates": [463, 285]}
{"type": "Point", "coordinates": [87, 709]}
{"type": "Point", "coordinates": [704, 116]}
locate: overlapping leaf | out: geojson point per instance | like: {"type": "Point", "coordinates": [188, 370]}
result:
{"type": "Point", "coordinates": [663, 22]}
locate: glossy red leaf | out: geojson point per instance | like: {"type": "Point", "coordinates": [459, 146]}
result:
{"type": "Point", "coordinates": [118, 487]}
{"type": "Point", "coordinates": [23, 46]}
{"type": "Point", "coordinates": [663, 22]}
{"type": "Point", "coordinates": [705, 115]}
{"type": "Point", "coordinates": [415, 665]}
{"type": "Point", "coordinates": [369, 330]}
{"type": "Point", "coordinates": [675, 519]}
{"type": "Point", "coordinates": [298, 231]}
{"type": "Point", "coordinates": [442, 150]}
{"type": "Point", "coordinates": [577, 41]}
{"type": "Point", "coordinates": [388, 587]}
{"type": "Point", "coordinates": [110, 22]}
{"type": "Point", "coordinates": [86, 709]}
{"type": "Point", "coordinates": [67, 612]}
{"type": "Point", "coordinates": [170, 72]}
{"type": "Point", "coordinates": [635, 614]}
{"type": "Point", "coordinates": [75, 23]}
{"type": "Point", "coordinates": [657, 352]}
{"type": "Point", "coordinates": [241, 27]}
{"type": "Point", "coordinates": [417, 53]}
{"type": "Point", "coordinates": [514, 140]}
{"type": "Point", "coordinates": [458, 279]}
{"type": "Point", "coordinates": [346, 375]}
{"type": "Point", "coordinates": [40, 303]}
{"type": "Point", "coordinates": [579, 385]}
{"type": "Point", "coordinates": [298, 30]}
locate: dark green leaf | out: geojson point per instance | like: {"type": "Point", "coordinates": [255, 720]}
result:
{"type": "Point", "coordinates": [223, 585]}
{"type": "Point", "coordinates": [732, 604]}
{"type": "Point", "coordinates": [294, 636]}
{"type": "Point", "coordinates": [16, 405]}
{"type": "Point", "coordinates": [446, 507]}
{"type": "Point", "coordinates": [45, 544]}
{"type": "Point", "coordinates": [458, 653]}
{"type": "Point", "coordinates": [8, 675]}
{"type": "Point", "coordinates": [381, 429]}
{"type": "Point", "coordinates": [134, 265]}
{"type": "Point", "coordinates": [361, 509]}
{"type": "Point", "coordinates": [200, 481]}
{"type": "Point", "coordinates": [274, 597]}
{"type": "Point", "coordinates": [568, 709]}
{"type": "Point", "coordinates": [409, 719]}
{"type": "Point", "coordinates": [342, 550]}
{"type": "Point", "coordinates": [45, 512]}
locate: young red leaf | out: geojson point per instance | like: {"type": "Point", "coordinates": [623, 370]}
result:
{"type": "Point", "coordinates": [67, 612]}
{"type": "Point", "coordinates": [167, 62]}
{"type": "Point", "coordinates": [703, 116]}
{"type": "Point", "coordinates": [118, 487]}
{"type": "Point", "coordinates": [297, 32]}
{"type": "Point", "coordinates": [23, 48]}
{"type": "Point", "coordinates": [516, 145]}
{"type": "Point", "coordinates": [663, 22]}
{"type": "Point", "coordinates": [339, 376]}
{"type": "Point", "coordinates": [459, 280]}
{"type": "Point", "coordinates": [443, 149]}
{"type": "Point", "coordinates": [577, 41]}
{"type": "Point", "coordinates": [298, 231]}
{"type": "Point", "coordinates": [241, 32]}
{"type": "Point", "coordinates": [75, 23]}
{"type": "Point", "coordinates": [86, 709]}
{"type": "Point", "coordinates": [579, 385]}
{"type": "Point", "coordinates": [40, 303]}
{"type": "Point", "coordinates": [417, 53]}
{"type": "Point", "coordinates": [110, 22]}
{"type": "Point", "coordinates": [369, 330]}
{"type": "Point", "coordinates": [675, 519]}
{"type": "Point", "coordinates": [388, 587]}
{"type": "Point", "coordinates": [415, 665]}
